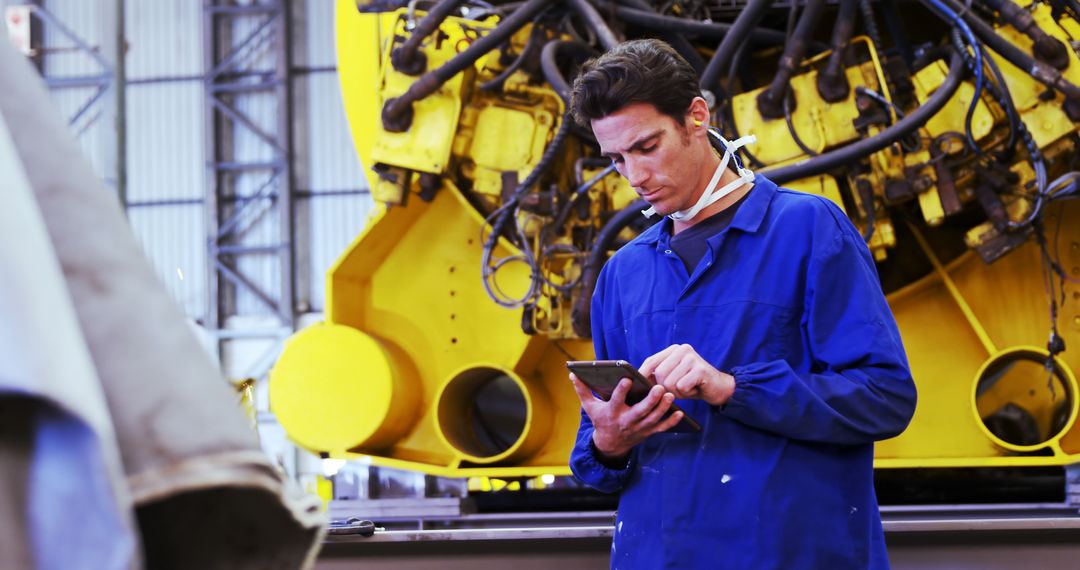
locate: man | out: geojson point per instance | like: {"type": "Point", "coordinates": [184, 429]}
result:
{"type": "Point", "coordinates": [759, 311]}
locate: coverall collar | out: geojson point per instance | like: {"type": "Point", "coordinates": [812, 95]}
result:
{"type": "Point", "coordinates": [747, 219]}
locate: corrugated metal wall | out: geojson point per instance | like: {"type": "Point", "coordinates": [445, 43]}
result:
{"type": "Point", "coordinates": [165, 143]}
{"type": "Point", "coordinates": [166, 140]}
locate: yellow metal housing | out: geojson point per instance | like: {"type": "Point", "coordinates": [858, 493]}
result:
{"type": "Point", "coordinates": [417, 368]}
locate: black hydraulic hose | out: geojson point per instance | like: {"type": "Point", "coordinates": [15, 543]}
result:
{"type": "Point", "coordinates": [845, 155]}
{"type": "Point", "coordinates": [890, 12]}
{"type": "Point", "coordinates": [549, 64]}
{"type": "Point", "coordinates": [961, 47]}
{"type": "Point", "coordinates": [870, 24]}
{"type": "Point", "coordinates": [690, 28]}
{"type": "Point", "coordinates": [744, 24]}
{"type": "Point", "coordinates": [581, 313]}
{"type": "Point", "coordinates": [508, 210]}
{"type": "Point", "coordinates": [541, 167]}
{"type": "Point", "coordinates": [404, 58]}
{"type": "Point", "coordinates": [793, 12]}
{"type": "Point", "coordinates": [579, 193]}
{"type": "Point", "coordinates": [729, 124]}
{"type": "Point", "coordinates": [832, 83]}
{"type": "Point", "coordinates": [791, 128]}
{"type": "Point", "coordinates": [530, 45]}
{"type": "Point", "coordinates": [929, 55]}
{"type": "Point", "coordinates": [676, 39]}
{"type": "Point", "coordinates": [397, 112]}
{"type": "Point", "coordinates": [771, 100]}
{"type": "Point", "coordinates": [1043, 72]}
{"type": "Point", "coordinates": [1046, 48]}
{"type": "Point", "coordinates": [595, 22]}
{"type": "Point", "coordinates": [1004, 98]}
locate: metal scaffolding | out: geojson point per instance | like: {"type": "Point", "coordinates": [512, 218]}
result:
{"type": "Point", "coordinates": [249, 174]}
{"type": "Point", "coordinates": [101, 72]}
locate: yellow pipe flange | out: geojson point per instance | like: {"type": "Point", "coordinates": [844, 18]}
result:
{"type": "Point", "coordinates": [1033, 354]}
{"type": "Point", "coordinates": [459, 419]}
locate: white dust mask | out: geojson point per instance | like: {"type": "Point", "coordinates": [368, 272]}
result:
{"type": "Point", "coordinates": [711, 195]}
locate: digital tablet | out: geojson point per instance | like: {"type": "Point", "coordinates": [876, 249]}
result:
{"type": "Point", "coordinates": [602, 376]}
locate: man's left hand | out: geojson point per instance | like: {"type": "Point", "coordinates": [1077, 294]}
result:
{"type": "Point", "coordinates": [684, 373]}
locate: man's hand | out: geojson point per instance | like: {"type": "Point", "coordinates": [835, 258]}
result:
{"type": "Point", "coordinates": [617, 428]}
{"type": "Point", "coordinates": [684, 373]}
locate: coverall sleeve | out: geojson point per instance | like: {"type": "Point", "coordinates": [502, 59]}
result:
{"type": "Point", "coordinates": [859, 388]}
{"type": "Point", "coordinates": [584, 462]}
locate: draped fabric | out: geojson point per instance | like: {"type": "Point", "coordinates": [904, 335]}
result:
{"type": "Point", "coordinates": [121, 445]}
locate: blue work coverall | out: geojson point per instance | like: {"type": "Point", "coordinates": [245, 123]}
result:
{"type": "Point", "coordinates": [788, 301]}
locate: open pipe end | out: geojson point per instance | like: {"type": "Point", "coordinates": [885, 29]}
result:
{"type": "Point", "coordinates": [409, 62]}
{"type": "Point", "coordinates": [771, 106]}
{"type": "Point", "coordinates": [833, 87]}
{"type": "Point", "coordinates": [397, 116]}
{"type": "Point", "coordinates": [1052, 51]}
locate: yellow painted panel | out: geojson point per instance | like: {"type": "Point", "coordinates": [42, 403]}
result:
{"type": "Point", "coordinates": [408, 293]}
{"type": "Point", "coordinates": [952, 115]}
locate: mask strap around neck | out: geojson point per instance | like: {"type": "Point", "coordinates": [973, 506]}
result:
{"type": "Point", "coordinates": [711, 195]}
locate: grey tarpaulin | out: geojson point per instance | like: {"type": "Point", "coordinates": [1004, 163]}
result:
{"type": "Point", "coordinates": [58, 456]}
{"type": "Point", "coordinates": [204, 494]}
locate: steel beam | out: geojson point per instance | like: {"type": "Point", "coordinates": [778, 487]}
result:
{"type": "Point", "coordinates": [240, 42]}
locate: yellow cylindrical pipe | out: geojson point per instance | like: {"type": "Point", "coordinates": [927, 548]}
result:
{"type": "Point", "coordinates": [336, 388]}
{"type": "Point", "coordinates": [486, 414]}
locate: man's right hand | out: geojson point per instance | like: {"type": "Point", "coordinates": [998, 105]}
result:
{"type": "Point", "coordinates": [617, 428]}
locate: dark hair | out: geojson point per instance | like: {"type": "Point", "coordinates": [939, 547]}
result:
{"type": "Point", "coordinates": [637, 71]}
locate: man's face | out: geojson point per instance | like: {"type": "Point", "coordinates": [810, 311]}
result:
{"type": "Point", "coordinates": [653, 153]}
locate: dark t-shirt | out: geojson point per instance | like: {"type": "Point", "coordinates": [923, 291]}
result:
{"type": "Point", "coordinates": [690, 244]}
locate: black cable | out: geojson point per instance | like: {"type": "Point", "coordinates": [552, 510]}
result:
{"type": "Point", "coordinates": [1043, 72]}
{"type": "Point", "coordinates": [496, 84]}
{"type": "Point", "coordinates": [791, 128]}
{"type": "Point", "coordinates": [863, 90]}
{"type": "Point", "coordinates": [910, 143]}
{"type": "Point", "coordinates": [579, 193]}
{"type": "Point", "coordinates": [745, 23]}
{"type": "Point", "coordinates": [870, 25]}
{"type": "Point", "coordinates": [793, 17]}
{"type": "Point", "coordinates": [397, 111]}
{"type": "Point", "coordinates": [637, 15]}
{"type": "Point", "coordinates": [832, 83]}
{"type": "Point", "coordinates": [549, 64]}
{"type": "Point", "coordinates": [677, 40]}
{"type": "Point", "coordinates": [929, 54]}
{"type": "Point", "coordinates": [1045, 47]}
{"type": "Point", "coordinates": [1004, 98]}
{"type": "Point", "coordinates": [961, 47]}
{"type": "Point", "coordinates": [505, 213]}
{"type": "Point", "coordinates": [1038, 164]}
{"type": "Point", "coordinates": [729, 124]}
{"type": "Point", "coordinates": [597, 24]}
{"type": "Point", "coordinates": [771, 101]}
{"type": "Point", "coordinates": [856, 151]}
{"type": "Point", "coordinates": [890, 12]}
{"type": "Point", "coordinates": [404, 58]}
{"type": "Point", "coordinates": [999, 91]}
{"type": "Point", "coordinates": [1050, 269]}
{"type": "Point", "coordinates": [580, 314]}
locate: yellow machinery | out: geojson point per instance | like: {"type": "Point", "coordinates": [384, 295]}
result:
{"type": "Point", "coordinates": [450, 317]}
